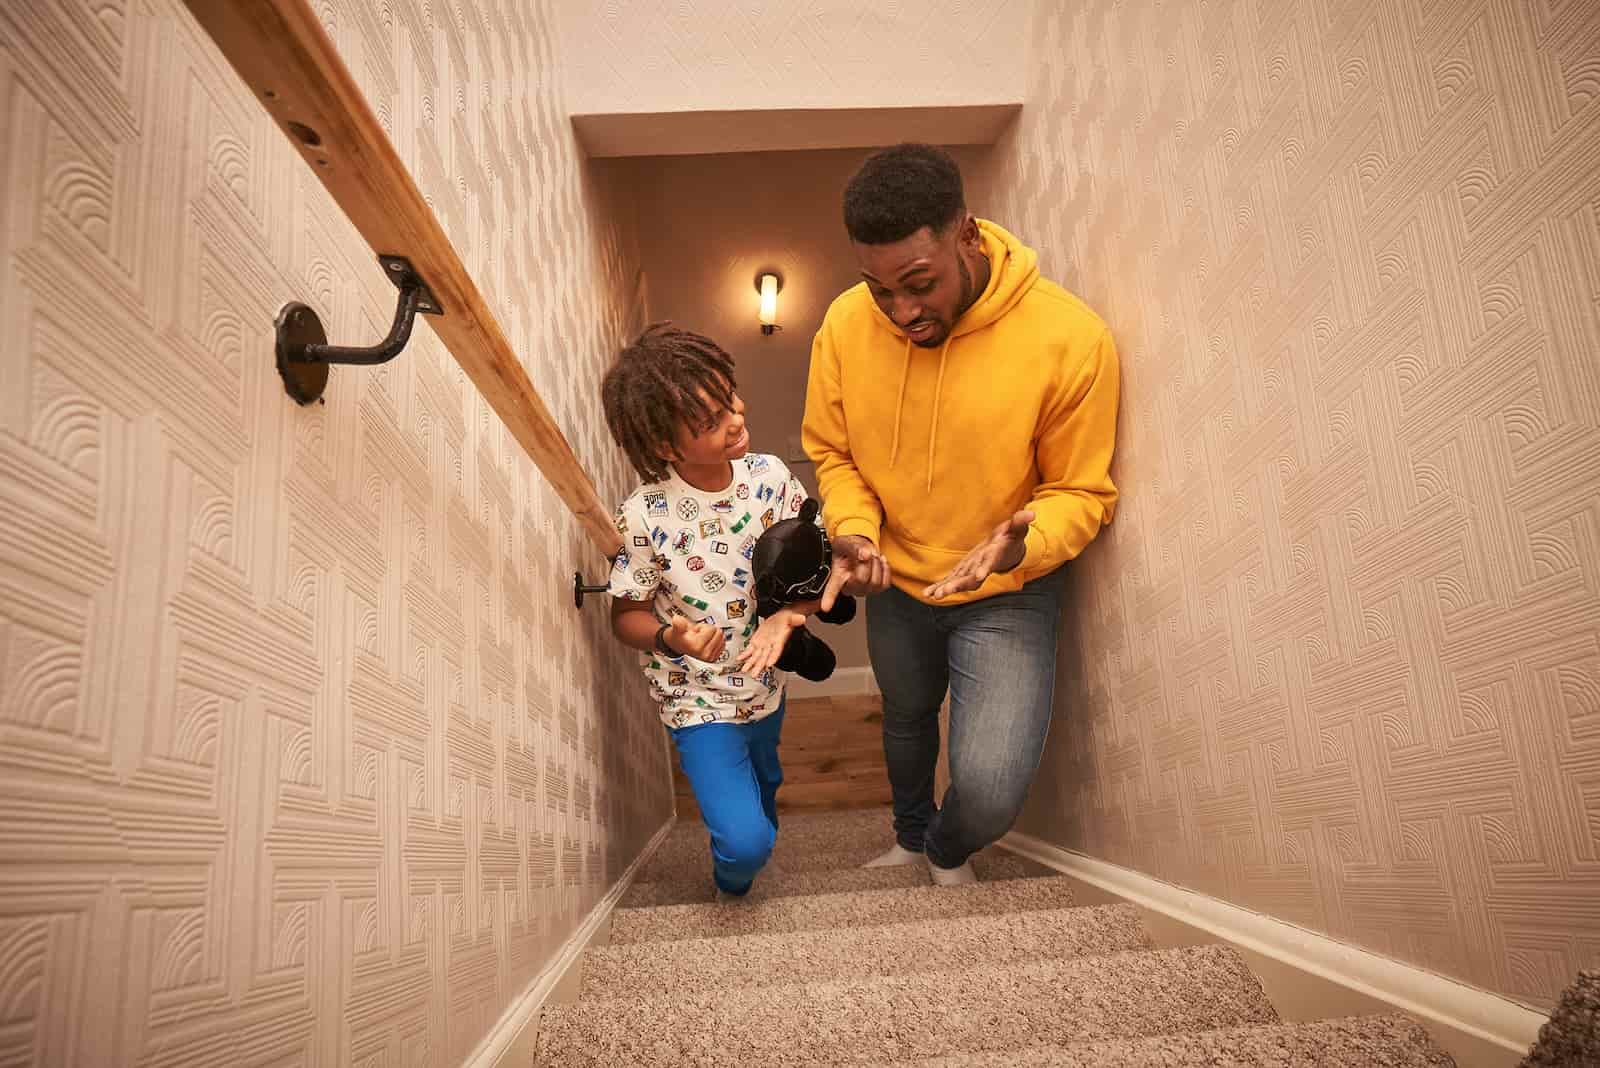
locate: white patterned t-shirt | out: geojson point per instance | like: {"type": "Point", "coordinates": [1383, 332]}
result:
{"type": "Point", "coordinates": [688, 552]}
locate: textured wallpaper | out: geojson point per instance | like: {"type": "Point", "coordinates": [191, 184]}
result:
{"type": "Point", "coordinates": [305, 756]}
{"type": "Point", "coordinates": [1338, 660]}
{"type": "Point", "coordinates": [719, 55]}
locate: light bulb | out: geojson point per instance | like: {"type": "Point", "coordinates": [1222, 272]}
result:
{"type": "Point", "coordinates": [769, 300]}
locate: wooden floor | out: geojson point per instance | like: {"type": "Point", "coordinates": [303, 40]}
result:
{"type": "Point", "coordinates": [832, 752]}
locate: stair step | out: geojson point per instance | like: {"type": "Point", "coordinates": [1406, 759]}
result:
{"type": "Point", "coordinates": [806, 842]}
{"type": "Point", "coordinates": [993, 1006]}
{"type": "Point", "coordinates": [991, 865]}
{"type": "Point", "coordinates": [1368, 1041]}
{"type": "Point", "coordinates": [643, 969]}
{"type": "Point", "coordinates": [826, 912]}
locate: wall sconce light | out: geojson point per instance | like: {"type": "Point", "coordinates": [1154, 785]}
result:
{"type": "Point", "coordinates": [768, 284]}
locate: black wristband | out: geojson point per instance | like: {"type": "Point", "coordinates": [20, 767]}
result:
{"type": "Point", "coordinates": [661, 641]}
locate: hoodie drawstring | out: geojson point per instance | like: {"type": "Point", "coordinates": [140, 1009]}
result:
{"type": "Point", "coordinates": [933, 423]}
{"type": "Point", "coordinates": [900, 403]}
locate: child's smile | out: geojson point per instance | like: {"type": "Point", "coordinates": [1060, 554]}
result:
{"type": "Point", "coordinates": [702, 457]}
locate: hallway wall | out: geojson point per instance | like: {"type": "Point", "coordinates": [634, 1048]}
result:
{"type": "Point", "coordinates": [1338, 660]}
{"type": "Point", "coordinates": [706, 225]}
{"type": "Point", "coordinates": [306, 755]}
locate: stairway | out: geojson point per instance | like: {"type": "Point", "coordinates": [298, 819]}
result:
{"type": "Point", "coordinates": [828, 963]}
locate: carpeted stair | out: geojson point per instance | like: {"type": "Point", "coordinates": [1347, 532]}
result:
{"type": "Point", "coordinates": [829, 963]}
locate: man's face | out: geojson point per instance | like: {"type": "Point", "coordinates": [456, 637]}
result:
{"type": "Point", "coordinates": [925, 281]}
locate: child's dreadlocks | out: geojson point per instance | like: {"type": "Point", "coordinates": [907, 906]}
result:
{"type": "Point", "coordinates": [659, 384]}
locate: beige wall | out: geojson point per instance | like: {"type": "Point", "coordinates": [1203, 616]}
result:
{"type": "Point", "coordinates": [731, 55]}
{"type": "Point", "coordinates": [706, 225]}
{"type": "Point", "coordinates": [1339, 658]}
{"type": "Point", "coordinates": [307, 756]}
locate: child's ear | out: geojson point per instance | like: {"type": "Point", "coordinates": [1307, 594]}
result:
{"type": "Point", "coordinates": [665, 450]}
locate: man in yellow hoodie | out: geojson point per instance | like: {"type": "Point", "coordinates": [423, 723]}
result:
{"type": "Point", "coordinates": [962, 413]}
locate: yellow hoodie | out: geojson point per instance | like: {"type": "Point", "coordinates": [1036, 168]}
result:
{"type": "Point", "coordinates": [925, 452]}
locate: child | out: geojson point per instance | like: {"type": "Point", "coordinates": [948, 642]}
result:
{"type": "Point", "coordinates": [682, 585]}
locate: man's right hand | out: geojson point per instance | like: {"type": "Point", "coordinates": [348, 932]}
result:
{"type": "Point", "coordinates": [859, 569]}
{"type": "Point", "coordinates": [699, 640]}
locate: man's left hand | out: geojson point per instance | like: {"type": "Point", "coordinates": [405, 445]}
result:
{"type": "Point", "coordinates": [1001, 551]}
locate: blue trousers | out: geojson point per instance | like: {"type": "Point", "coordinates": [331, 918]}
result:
{"type": "Point", "coordinates": [734, 772]}
{"type": "Point", "coordinates": [997, 657]}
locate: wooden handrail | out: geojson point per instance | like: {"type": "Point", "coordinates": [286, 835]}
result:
{"type": "Point", "coordinates": [283, 54]}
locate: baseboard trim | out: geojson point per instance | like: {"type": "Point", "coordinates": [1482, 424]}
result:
{"type": "Point", "coordinates": [845, 682]}
{"type": "Point", "coordinates": [1433, 999]}
{"type": "Point", "coordinates": [524, 1010]}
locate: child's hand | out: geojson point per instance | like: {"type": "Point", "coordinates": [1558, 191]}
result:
{"type": "Point", "coordinates": [766, 644]}
{"type": "Point", "coordinates": [699, 640]}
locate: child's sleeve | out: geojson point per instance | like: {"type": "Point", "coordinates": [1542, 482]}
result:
{"type": "Point", "coordinates": [794, 495]}
{"type": "Point", "coordinates": [634, 573]}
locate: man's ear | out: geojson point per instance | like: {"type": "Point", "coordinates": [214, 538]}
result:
{"type": "Point", "coordinates": [971, 238]}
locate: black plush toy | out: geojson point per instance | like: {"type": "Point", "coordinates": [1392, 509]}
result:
{"type": "Point", "coordinates": [791, 563]}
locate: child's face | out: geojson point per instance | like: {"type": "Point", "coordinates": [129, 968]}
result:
{"type": "Point", "coordinates": [724, 438]}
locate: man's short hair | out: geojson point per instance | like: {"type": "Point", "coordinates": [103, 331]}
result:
{"type": "Point", "coordinates": [899, 190]}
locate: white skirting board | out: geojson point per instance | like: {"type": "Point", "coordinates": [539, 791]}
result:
{"type": "Point", "coordinates": [503, 1037]}
{"type": "Point", "coordinates": [845, 682]}
{"type": "Point", "coordinates": [1441, 1004]}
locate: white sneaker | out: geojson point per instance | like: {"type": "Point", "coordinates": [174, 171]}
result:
{"type": "Point", "coordinates": [896, 856]}
{"type": "Point", "coordinates": [962, 876]}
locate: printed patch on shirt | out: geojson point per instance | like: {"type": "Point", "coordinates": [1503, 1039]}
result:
{"type": "Point", "coordinates": [623, 562]}
{"type": "Point", "coordinates": [722, 507]}
{"type": "Point", "coordinates": [764, 493]}
{"type": "Point", "coordinates": [683, 542]}
{"type": "Point", "coordinates": [621, 523]}
{"type": "Point", "coordinates": [743, 492]}
{"type": "Point", "coordinates": [677, 678]}
{"type": "Point", "coordinates": [741, 577]}
{"type": "Point", "coordinates": [758, 464]}
{"type": "Point", "coordinates": [744, 521]}
{"type": "Point", "coordinates": [701, 605]}
{"type": "Point", "coordinates": [688, 508]}
{"type": "Point", "coordinates": [658, 537]}
{"type": "Point", "coordinates": [736, 608]}
{"type": "Point", "coordinates": [646, 576]}
{"type": "Point", "coordinates": [710, 528]}
{"type": "Point", "coordinates": [641, 541]}
{"type": "Point", "coordinates": [747, 548]}
{"type": "Point", "coordinates": [713, 581]}
{"type": "Point", "coordinates": [766, 519]}
{"type": "Point", "coordinates": [720, 548]}
{"type": "Point", "coordinates": [655, 503]}
{"type": "Point", "coordinates": [695, 563]}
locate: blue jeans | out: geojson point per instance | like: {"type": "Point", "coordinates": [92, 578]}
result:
{"type": "Point", "coordinates": [997, 657]}
{"type": "Point", "coordinates": [734, 772]}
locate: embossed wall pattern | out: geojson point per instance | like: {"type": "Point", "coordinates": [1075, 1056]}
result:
{"type": "Point", "coordinates": [1338, 660]}
{"type": "Point", "coordinates": [304, 756]}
